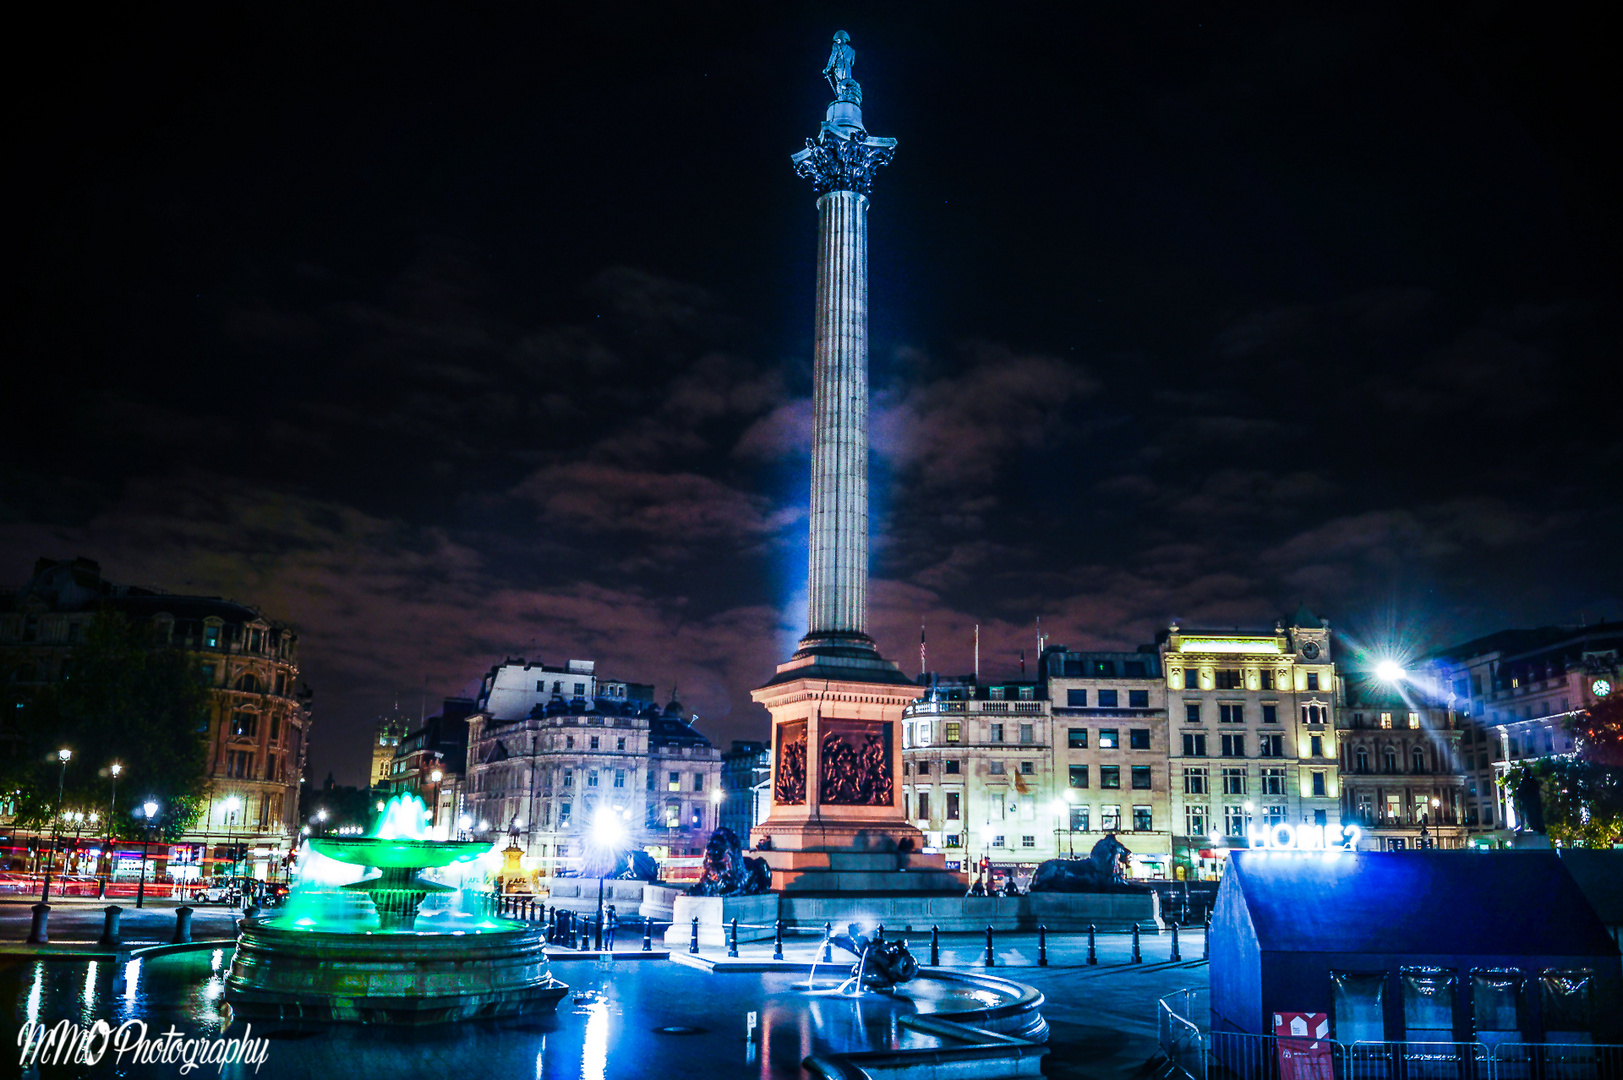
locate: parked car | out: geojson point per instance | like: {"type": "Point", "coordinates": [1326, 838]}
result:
{"type": "Point", "coordinates": [218, 892]}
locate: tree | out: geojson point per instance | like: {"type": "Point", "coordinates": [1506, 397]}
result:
{"type": "Point", "coordinates": [123, 698]}
{"type": "Point", "coordinates": [1581, 794]}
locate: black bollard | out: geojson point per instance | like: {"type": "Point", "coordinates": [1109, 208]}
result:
{"type": "Point", "coordinates": [110, 938]}
{"type": "Point", "coordinates": [251, 911]}
{"type": "Point", "coordinates": [647, 933]}
{"type": "Point", "coordinates": [935, 946]}
{"type": "Point", "coordinates": [39, 929]}
{"type": "Point", "coordinates": [828, 943]}
{"type": "Point", "coordinates": [1093, 953]}
{"type": "Point", "coordinates": [1138, 957]}
{"type": "Point", "coordinates": [777, 941]}
{"type": "Point", "coordinates": [1206, 948]}
{"type": "Point", "coordinates": [991, 961]}
{"type": "Point", "coordinates": [585, 935]}
{"type": "Point", "coordinates": [1042, 946]}
{"type": "Point", "coordinates": [597, 932]}
{"type": "Point", "coordinates": [693, 946]}
{"type": "Point", "coordinates": [183, 925]}
{"type": "Point", "coordinates": [879, 935]}
{"type": "Point", "coordinates": [1176, 954]}
{"type": "Point", "coordinates": [614, 924]}
{"type": "Point", "coordinates": [732, 938]}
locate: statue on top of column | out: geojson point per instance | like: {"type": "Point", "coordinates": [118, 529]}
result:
{"type": "Point", "coordinates": [838, 71]}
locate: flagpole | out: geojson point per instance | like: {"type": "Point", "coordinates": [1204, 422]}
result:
{"type": "Point", "coordinates": [977, 652]}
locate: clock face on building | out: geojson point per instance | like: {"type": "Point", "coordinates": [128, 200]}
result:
{"type": "Point", "coordinates": [1601, 687]}
{"type": "Point", "coordinates": [1311, 650]}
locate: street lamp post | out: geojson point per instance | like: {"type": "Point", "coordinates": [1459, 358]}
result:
{"type": "Point", "coordinates": [113, 770]}
{"type": "Point", "coordinates": [63, 755]}
{"type": "Point", "coordinates": [232, 805]}
{"type": "Point", "coordinates": [151, 809]}
{"type": "Point", "coordinates": [608, 834]}
{"type": "Point", "coordinates": [435, 777]}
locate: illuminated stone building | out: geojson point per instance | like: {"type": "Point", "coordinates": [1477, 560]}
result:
{"type": "Point", "coordinates": [390, 730]}
{"type": "Point", "coordinates": [259, 719]}
{"type": "Point", "coordinates": [1252, 735]}
{"type": "Point", "coordinates": [549, 749]}
{"type": "Point", "coordinates": [1402, 781]}
{"type": "Point", "coordinates": [1516, 693]}
{"type": "Point", "coordinates": [430, 762]}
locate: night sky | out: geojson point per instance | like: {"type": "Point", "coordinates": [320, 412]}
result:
{"type": "Point", "coordinates": [454, 332]}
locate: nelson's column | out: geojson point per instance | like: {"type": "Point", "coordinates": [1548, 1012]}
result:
{"type": "Point", "coordinates": [837, 819]}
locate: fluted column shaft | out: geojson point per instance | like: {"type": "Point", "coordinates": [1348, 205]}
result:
{"type": "Point", "coordinates": [837, 580]}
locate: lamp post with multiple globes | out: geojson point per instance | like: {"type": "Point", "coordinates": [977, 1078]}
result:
{"type": "Point", "coordinates": [151, 810]}
{"type": "Point", "coordinates": [112, 803]}
{"type": "Point", "coordinates": [63, 755]}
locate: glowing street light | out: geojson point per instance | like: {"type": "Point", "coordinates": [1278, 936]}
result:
{"type": "Point", "coordinates": [63, 755]}
{"type": "Point", "coordinates": [151, 809]}
{"type": "Point", "coordinates": [232, 805]}
{"type": "Point", "coordinates": [608, 836]}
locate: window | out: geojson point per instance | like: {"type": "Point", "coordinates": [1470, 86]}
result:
{"type": "Point", "coordinates": [954, 839]}
{"type": "Point", "coordinates": [1135, 669]}
{"type": "Point", "coordinates": [651, 780]}
{"type": "Point", "coordinates": [1315, 746]}
{"type": "Point", "coordinates": [1234, 746]}
{"type": "Point", "coordinates": [1141, 777]}
{"type": "Point", "coordinates": [1361, 759]}
{"type": "Point", "coordinates": [580, 689]}
{"type": "Point", "coordinates": [1143, 819]}
{"type": "Point", "coordinates": [997, 732]}
{"type": "Point", "coordinates": [1077, 738]}
{"type": "Point", "coordinates": [1318, 784]}
{"type": "Point", "coordinates": [1110, 818]}
{"type": "Point", "coordinates": [994, 768]}
{"type": "Point", "coordinates": [1195, 781]}
{"type": "Point", "coordinates": [1138, 699]}
{"type": "Point", "coordinates": [1266, 679]}
{"type": "Point", "coordinates": [1314, 714]}
{"type": "Point", "coordinates": [1234, 820]}
{"type": "Point", "coordinates": [1026, 693]}
{"type": "Point", "coordinates": [673, 782]}
{"type": "Point", "coordinates": [952, 730]}
{"type": "Point", "coordinates": [1390, 760]}
{"type": "Point", "coordinates": [569, 777]}
{"type": "Point", "coordinates": [1271, 745]}
{"type": "Point", "coordinates": [1414, 719]}
{"type": "Point", "coordinates": [698, 781]}
{"type": "Point", "coordinates": [996, 693]}
{"type": "Point", "coordinates": [620, 744]}
{"type": "Point", "coordinates": [952, 768]}
{"type": "Point", "coordinates": [1228, 679]}
{"type": "Point", "coordinates": [1079, 819]}
{"type": "Point", "coordinates": [240, 764]}
{"type": "Point", "coordinates": [591, 777]}
{"type": "Point", "coordinates": [673, 814]}
{"type": "Point", "coordinates": [1418, 760]}
{"type": "Point", "coordinates": [1191, 679]}
{"type": "Point", "coordinates": [1270, 714]}
{"type": "Point", "coordinates": [565, 808]}
{"type": "Point", "coordinates": [1026, 735]}
{"type": "Point", "coordinates": [1191, 712]}
{"type": "Point", "coordinates": [1313, 680]}
{"type": "Point", "coordinates": [1109, 739]}
{"type": "Point", "coordinates": [1028, 841]}
{"type": "Point", "coordinates": [1076, 699]}
{"type": "Point", "coordinates": [569, 742]}
{"type": "Point", "coordinates": [1195, 819]}
{"type": "Point", "coordinates": [1234, 781]}
{"type": "Point", "coordinates": [952, 805]}
{"type": "Point", "coordinates": [1079, 776]}
{"type": "Point", "coordinates": [1386, 719]}
{"type": "Point", "coordinates": [1028, 768]}
{"type": "Point", "coordinates": [619, 778]}
{"type": "Point", "coordinates": [244, 725]}
{"type": "Point", "coordinates": [1273, 781]}
{"type": "Point", "coordinates": [211, 637]}
{"type": "Point", "coordinates": [1105, 668]}
{"type": "Point", "coordinates": [276, 729]}
{"type": "Point", "coordinates": [1138, 738]}
{"type": "Point", "coordinates": [997, 841]}
{"type": "Point", "coordinates": [1231, 714]}
{"type": "Point", "coordinates": [1107, 699]}
{"type": "Point", "coordinates": [924, 768]}
{"type": "Point", "coordinates": [593, 744]}
{"type": "Point", "coordinates": [1194, 744]}
{"type": "Point", "coordinates": [924, 806]}
{"type": "Point", "coordinates": [1110, 776]}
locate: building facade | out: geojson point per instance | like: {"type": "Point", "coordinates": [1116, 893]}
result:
{"type": "Point", "coordinates": [545, 760]}
{"type": "Point", "coordinates": [259, 715]}
{"type": "Point", "coordinates": [746, 792]}
{"type": "Point", "coordinates": [390, 730]}
{"type": "Point", "coordinates": [1402, 775]}
{"type": "Point", "coordinates": [1252, 734]}
{"type": "Point", "coordinates": [431, 763]}
{"type": "Point", "coordinates": [1516, 694]}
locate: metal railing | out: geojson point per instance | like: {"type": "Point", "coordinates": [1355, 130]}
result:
{"type": "Point", "coordinates": [1234, 1055]}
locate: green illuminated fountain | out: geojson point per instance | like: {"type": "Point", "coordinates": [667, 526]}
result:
{"type": "Point", "coordinates": [326, 958]}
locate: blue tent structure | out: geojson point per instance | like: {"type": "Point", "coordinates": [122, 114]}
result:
{"type": "Point", "coordinates": [1431, 946]}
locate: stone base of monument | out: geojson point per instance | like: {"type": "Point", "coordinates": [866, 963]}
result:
{"type": "Point", "coordinates": [757, 915]}
{"type": "Point", "coordinates": [757, 918]}
{"type": "Point", "coordinates": [845, 872]}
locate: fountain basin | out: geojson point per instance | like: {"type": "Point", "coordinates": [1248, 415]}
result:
{"type": "Point", "coordinates": [294, 973]}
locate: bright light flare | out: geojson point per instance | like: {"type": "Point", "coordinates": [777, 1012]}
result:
{"type": "Point", "coordinates": [608, 831]}
{"type": "Point", "coordinates": [1389, 671]}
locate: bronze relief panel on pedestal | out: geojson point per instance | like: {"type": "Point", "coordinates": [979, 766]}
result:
{"type": "Point", "coordinates": [854, 764]}
{"type": "Point", "coordinates": [789, 780]}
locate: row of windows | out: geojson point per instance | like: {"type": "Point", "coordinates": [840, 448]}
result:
{"type": "Point", "coordinates": [1110, 776]}
{"type": "Point", "coordinates": [1234, 679]}
{"type": "Point", "coordinates": [245, 725]}
{"type": "Point", "coordinates": [1109, 738]}
{"type": "Point", "coordinates": [1268, 746]}
{"type": "Point", "coordinates": [1197, 820]}
{"type": "Point", "coordinates": [1197, 781]}
{"type": "Point", "coordinates": [1108, 699]}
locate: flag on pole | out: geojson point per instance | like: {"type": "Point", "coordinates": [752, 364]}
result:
{"type": "Point", "coordinates": [922, 667]}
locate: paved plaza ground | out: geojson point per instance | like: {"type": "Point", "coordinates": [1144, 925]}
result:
{"type": "Point", "coordinates": [1102, 1017]}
